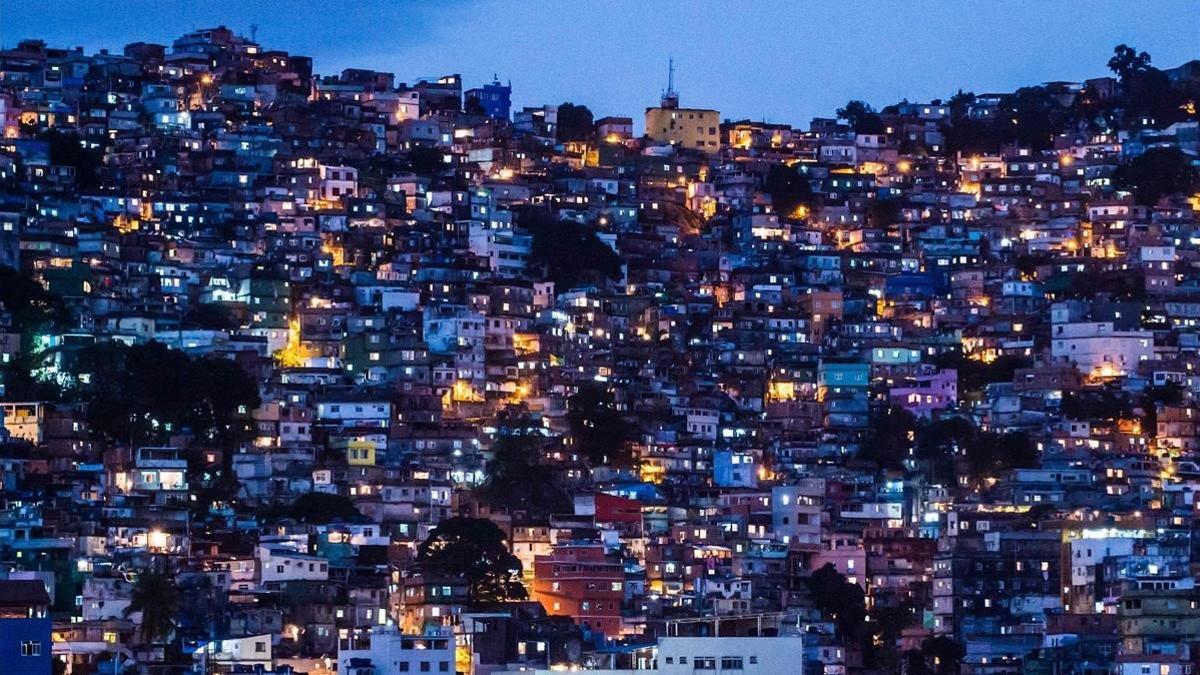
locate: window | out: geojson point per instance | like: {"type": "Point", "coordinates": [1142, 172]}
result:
{"type": "Point", "coordinates": [31, 648]}
{"type": "Point", "coordinates": [424, 666]}
{"type": "Point", "coordinates": [731, 663]}
{"type": "Point", "coordinates": [704, 663]}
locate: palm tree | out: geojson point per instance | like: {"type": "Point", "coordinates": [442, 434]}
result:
{"type": "Point", "coordinates": [155, 596]}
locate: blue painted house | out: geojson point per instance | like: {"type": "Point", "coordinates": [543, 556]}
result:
{"type": "Point", "coordinates": [24, 628]}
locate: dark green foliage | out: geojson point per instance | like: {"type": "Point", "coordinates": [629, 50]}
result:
{"type": "Point", "coordinates": [569, 253]}
{"type": "Point", "coordinates": [887, 623]}
{"type": "Point", "coordinates": [210, 316]}
{"type": "Point", "coordinates": [938, 656]}
{"type": "Point", "coordinates": [788, 188]}
{"type": "Point", "coordinates": [883, 213]}
{"type": "Point", "coordinates": [990, 454]}
{"type": "Point", "coordinates": [321, 508]}
{"type": "Point", "coordinates": [157, 598]}
{"type": "Point", "coordinates": [987, 454]}
{"type": "Point", "coordinates": [600, 432]}
{"type": "Point", "coordinates": [32, 307]}
{"type": "Point", "coordinates": [1117, 284]}
{"type": "Point", "coordinates": [66, 150]}
{"type": "Point", "coordinates": [1170, 394]}
{"type": "Point", "coordinates": [518, 481]}
{"type": "Point", "coordinates": [145, 393]}
{"type": "Point", "coordinates": [426, 161]}
{"type": "Point", "coordinates": [1028, 263]}
{"type": "Point", "coordinates": [473, 550]}
{"type": "Point", "coordinates": [974, 375]}
{"type": "Point", "coordinates": [472, 106]}
{"type": "Point", "coordinates": [891, 437]}
{"type": "Point", "coordinates": [1155, 173]}
{"type": "Point", "coordinates": [843, 602]}
{"type": "Point", "coordinates": [1096, 405]}
{"type": "Point", "coordinates": [1033, 117]}
{"type": "Point", "coordinates": [972, 136]}
{"type": "Point", "coordinates": [1127, 62]}
{"type": "Point", "coordinates": [34, 311]}
{"type": "Point", "coordinates": [575, 123]}
{"type": "Point", "coordinates": [861, 117]}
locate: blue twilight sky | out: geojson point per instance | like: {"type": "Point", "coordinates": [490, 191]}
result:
{"type": "Point", "coordinates": [780, 60]}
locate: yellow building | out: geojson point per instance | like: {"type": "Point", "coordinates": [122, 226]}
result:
{"type": "Point", "coordinates": [360, 453]}
{"type": "Point", "coordinates": [695, 128]}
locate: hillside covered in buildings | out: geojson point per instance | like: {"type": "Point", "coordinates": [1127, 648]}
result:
{"type": "Point", "coordinates": [310, 373]}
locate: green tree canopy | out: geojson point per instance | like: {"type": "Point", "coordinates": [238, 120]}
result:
{"type": "Point", "coordinates": [569, 253]}
{"type": "Point", "coordinates": [575, 123]}
{"type": "Point", "coordinates": [788, 188]}
{"type": "Point", "coordinates": [474, 550]}
{"type": "Point", "coordinates": [843, 602]}
{"type": "Point", "coordinates": [156, 597]}
{"type": "Point", "coordinates": [426, 161]}
{"type": "Point", "coordinates": [892, 430]}
{"type": "Point", "coordinates": [1155, 173]}
{"type": "Point", "coordinates": [938, 655]}
{"type": "Point", "coordinates": [861, 117]}
{"type": "Point", "coordinates": [518, 481]}
{"type": "Point", "coordinates": [321, 508]}
{"type": "Point", "coordinates": [600, 431]}
{"type": "Point", "coordinates": [145, 393]}
{"type": "Point", "coordinates": [1127, 62]}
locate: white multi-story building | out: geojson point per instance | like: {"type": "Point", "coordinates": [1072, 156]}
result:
{"type": "Point", "coordinates": [796, 511]}
{"type": "Point", "coordinates": [689, 655]}
{"type": "Point", "coordinates": [1097, 349]}
{"type": "Point", "coordinates": [391, 653]}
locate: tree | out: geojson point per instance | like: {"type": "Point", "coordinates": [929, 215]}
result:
{"type": "Point", "coordinates": [892, 432]}
{"type": "Point", "coordinates": [426, 161]}
{"type": "Point", "coordinates": [856, 112]}
{"type": "Point", "coordinates": [575, 123]}
{"type": "Point", "coordinates": [974, 375]}
{"type": "Point", "coordinates": [840, 600]}
{"type": "Point", "coordinates": [788, 189]}
{"type": "Point", "coordinates": [473, 106]}
{"type": "Point", "coordinates": [938, 656]}
{"type": "Point", "coordinates": [68, 149]}
{"type": "Point", "coordinates": [883, 213]}
{"type": "Point", "coordinates": [939, 442]}
{"type": "Point", "coordinates": [989, 453]}
{"type": "Point", "coordinates": [1034, 117]}
{"type": "Point", "coordinates": [1127, 62]}
{"type": "Point", "coordinates": [887, 623]}
{"type": "Point", "coordinates": [473, 550]}
{"type": "Point", "coordinates": [569, 253]}
{"type": "Point", "coordinates": [210, 316]}
{"type": "Point", "coordinates": [34, 311]}
{"type": "Point", "coordinates": [1155, 173]}
{"type": "Point", "coordinates": [146, 393]}
{"type": "Point", "coordinates": [1169, 394]}
{"type": "Point", "coordinates": [322, 508]}
{"type": "Point", "coordinates": [518, 481]}
{"type": "Point", "coordinates": [1097, 405]}
{"type": "Point", "coordinates": [960, 104]}
{"type": "Point", "coordinates": [599, 430]}
{"type": "Point", "coordinates": [155, 596]}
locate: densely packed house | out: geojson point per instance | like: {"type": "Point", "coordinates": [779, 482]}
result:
{"type": "Point", "coordinates": [326, 374]}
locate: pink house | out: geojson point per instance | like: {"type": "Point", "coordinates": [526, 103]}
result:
{"type": "Point", "coordinates": [923, 394]}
